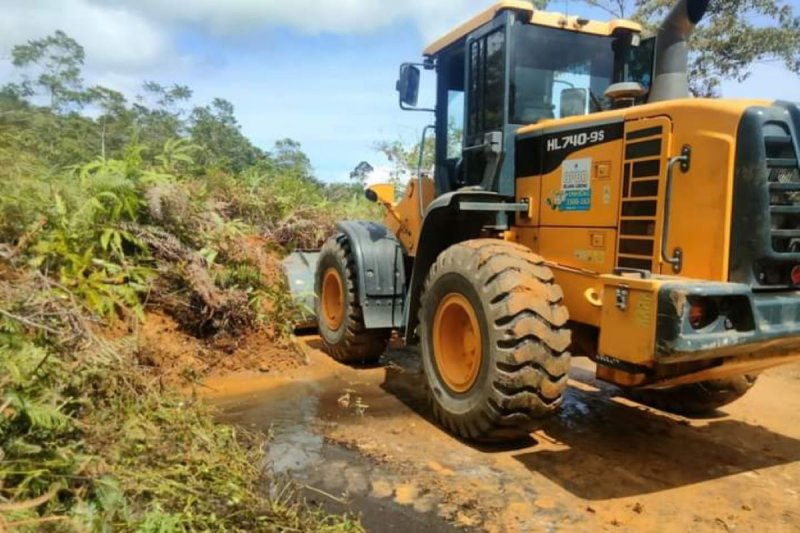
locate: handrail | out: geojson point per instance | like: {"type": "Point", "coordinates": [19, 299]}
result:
{"type": "Point", "coordinates": [420, 186]}
{"type": "Point", "coordinates": [676, 259]}
{"type": "Point", "coordinates": [475, 147]}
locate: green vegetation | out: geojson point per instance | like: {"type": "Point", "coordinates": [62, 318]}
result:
{"type": "Point", "coordinates": [109, 210]}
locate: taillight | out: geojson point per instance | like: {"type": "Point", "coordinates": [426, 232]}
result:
{"type": "Point", "coordinates": [796, 275]}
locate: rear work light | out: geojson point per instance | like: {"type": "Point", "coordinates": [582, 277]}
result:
{"type": "Point", "coordinates": [703, 312]}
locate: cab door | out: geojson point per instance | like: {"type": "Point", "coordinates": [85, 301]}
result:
{"type": "Point", "coordinates": [486, 106]}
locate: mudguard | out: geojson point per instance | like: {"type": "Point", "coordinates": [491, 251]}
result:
{"type": "Point", "coordinates": [381, 273]}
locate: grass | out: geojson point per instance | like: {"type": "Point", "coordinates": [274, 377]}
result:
{"type": "Point", "coordinates": [131, 457]}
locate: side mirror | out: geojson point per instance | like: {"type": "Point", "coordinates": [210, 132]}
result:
{"type": "Point", "coordinates": [574, 102]}
{"type": "Point", "coordinates": [380, 193]}
{"type": "Point", "coordinates": [408, 85]}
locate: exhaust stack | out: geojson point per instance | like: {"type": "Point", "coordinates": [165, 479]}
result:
{"type": "Point", "coordinates": [671, 80]}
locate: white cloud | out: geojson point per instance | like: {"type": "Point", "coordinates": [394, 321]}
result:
{"type": "Point", "coordinates": [125, 38]}
{"type": "Point", "coordinates": [114, 38]}
{"type": "Point", "coordinates": [310, 16]}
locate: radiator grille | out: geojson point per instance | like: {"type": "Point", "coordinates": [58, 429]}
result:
{"type": "Point", "coordinates": [783, 177]}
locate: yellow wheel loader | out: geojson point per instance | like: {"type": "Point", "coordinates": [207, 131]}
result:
{"type": "Point", "coordinates": [581, 203]}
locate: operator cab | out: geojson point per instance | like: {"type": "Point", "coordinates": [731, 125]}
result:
{"type": "Point", "coordinates": [513, 66]}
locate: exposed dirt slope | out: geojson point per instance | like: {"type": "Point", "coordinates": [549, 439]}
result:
{"type": "Point", "coordinates": [177, 356]}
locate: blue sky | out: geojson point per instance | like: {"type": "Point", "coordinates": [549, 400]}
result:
{"type": "Point", "coordinates": [335, 94]}
{"type": "Point", "coordinates": [321, 72]}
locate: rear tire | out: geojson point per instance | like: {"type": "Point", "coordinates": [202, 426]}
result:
{"type": "Point", "coordinates": [506, 302]}
{"type": "Point", "coordinates": [339, 315]}
{"type": "Point", "coordinates": [695, 398]}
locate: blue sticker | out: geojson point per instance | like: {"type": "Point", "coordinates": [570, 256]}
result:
{"type": "Point", "coordinates": [576, 200]}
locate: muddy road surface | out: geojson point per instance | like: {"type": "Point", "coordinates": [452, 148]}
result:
{"type": "Point", "coordinates": [361, 439]}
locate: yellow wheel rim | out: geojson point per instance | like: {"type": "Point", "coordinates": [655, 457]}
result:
{"type": "Point", "coordinates": [333, 303]}
{"type": "Point", "coordinates": [457, 346]}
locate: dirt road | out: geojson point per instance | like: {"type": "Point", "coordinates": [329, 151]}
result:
{"type": "Point", "coordinates": [361, 439]}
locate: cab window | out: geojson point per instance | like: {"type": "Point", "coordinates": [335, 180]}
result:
{"type": "Point", "coordinates": [486, 79]}
{"type": "Point", "coordinates": [546, 62]}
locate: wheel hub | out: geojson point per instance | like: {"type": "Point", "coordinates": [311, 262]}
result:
{"type": "Point", "coordinates": [333, 303]}
{"type": "Point", "coordinates": [457, 342]}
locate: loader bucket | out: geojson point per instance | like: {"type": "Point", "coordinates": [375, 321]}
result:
{"type": "Point", "coordinates": [300, 268]}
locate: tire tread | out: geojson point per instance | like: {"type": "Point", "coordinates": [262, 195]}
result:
{"type": "Point", "coordinates": [528, 327]}
{"type": "Point", "coordinates": [359, 344]}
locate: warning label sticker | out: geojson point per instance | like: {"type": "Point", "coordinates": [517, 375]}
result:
{"type": "Point", "coordinates": [576, 185]}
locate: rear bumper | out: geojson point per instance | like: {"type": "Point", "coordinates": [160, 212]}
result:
{"type": "Point", "coordinates": [761, 325]}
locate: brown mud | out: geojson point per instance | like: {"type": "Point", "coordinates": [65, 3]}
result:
{"type": "Point", "coordinates": [361, 439]}
{"type": "Point", "coordinates": [178, 357]}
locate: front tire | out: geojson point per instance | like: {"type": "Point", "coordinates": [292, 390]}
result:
{"type": "Point", "coordinates": [494, 340]}
{"type": "Point", "coordinates": [339, 315]}
{"type": "Point", "coordinates": [695, 399]}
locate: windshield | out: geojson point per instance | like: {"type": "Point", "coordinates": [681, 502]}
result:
{"type": "Point", "coordinates": [557, 73]}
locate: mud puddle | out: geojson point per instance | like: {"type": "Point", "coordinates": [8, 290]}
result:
{"type": "Point", "coordinates": [296, 415]}
{"type": "Point", "coordinates": [362, 439]}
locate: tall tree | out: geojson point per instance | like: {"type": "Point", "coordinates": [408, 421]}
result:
{"type": "Point", "coordinates": [57, 61]}
{"type": "Point", "coordinates": [114, 121]}
{"type": "Point", "coordinates": [361, 173]}
{"type": "Point", "coordinates": [735, 35]}
{"type": "Point", "coordinates": [215, 129]}
{"type": "Point", "coordinates": [50, 70]}
{"type": "Point", "coordinates": [289, 158]}
{"type": "Point", "coordinates": [160, 115]}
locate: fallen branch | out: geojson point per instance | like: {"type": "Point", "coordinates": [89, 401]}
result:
{"type": "Point", "coordinates": [34, 521]}
{"type": "Point", "coordinates": [326, 494]}
{"type": "Point", "coordinates": [29, 323]}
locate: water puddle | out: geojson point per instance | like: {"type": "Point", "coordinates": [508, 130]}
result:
{"type": "Point", "coordinates": [337, 478]}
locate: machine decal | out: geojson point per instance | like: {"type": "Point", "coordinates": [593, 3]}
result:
{"type": "Point", "coordinates": [543, 153]}
{"type": "Point", "coordinates": [575, 140]}
{"type": "Point", "coordinates": [591, 256]}
{"type": "Point", "coordinates": [576, 186]}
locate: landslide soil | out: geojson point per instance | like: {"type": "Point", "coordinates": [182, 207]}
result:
{"type": "Point", "coordinates": [363, 438]}
{"type": "Point", "coordinates": [178, 354]}
{"type": "Point", "coordinates": [178, 357]}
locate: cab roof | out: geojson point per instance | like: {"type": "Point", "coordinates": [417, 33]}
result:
{"type": "Point", "coordinates": [539, 18]}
